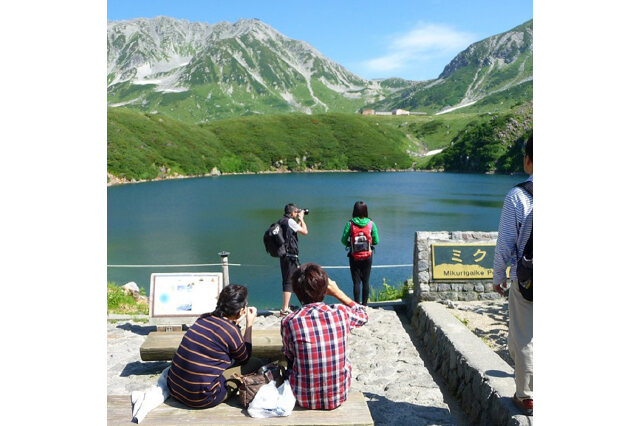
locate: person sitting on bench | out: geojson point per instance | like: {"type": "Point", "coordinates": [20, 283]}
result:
{"type": "Point", "coordinates": [207, 349]}
{"type": "Point", "coordinates": [314, 340]}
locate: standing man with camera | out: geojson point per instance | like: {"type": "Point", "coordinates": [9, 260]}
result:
{"type": "Point", "coordinates": [292, 222]}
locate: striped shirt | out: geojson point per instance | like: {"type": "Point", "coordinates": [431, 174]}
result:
{"type": "Point", "coordinates": [207, 348]}
{"type": "Point", "coordinates": [315, 340]}
{"type": "Point", "coordinates": [516, 223]}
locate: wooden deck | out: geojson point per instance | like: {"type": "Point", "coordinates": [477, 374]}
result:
{"type": "Point", "coordinates": [353, 412]}
{"type": "Point", "coordinates": [162, 345]}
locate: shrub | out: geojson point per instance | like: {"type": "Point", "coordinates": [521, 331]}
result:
{"type": "Point", "coordinates": [389, 292]}
{"type": "Point", "coordinates": [120, 303]}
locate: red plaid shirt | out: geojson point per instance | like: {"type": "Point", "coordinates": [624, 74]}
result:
{"type": "Point", "coordinates": [315, 338]}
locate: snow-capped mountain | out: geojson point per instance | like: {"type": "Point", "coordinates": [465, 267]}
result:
{"type": "Point", "coordinates": [197, 71]}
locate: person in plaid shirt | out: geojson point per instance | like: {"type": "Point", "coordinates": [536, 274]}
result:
{"type": "Point", "coordinates": [314, 340]}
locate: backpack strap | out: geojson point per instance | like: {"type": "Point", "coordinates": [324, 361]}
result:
{"type": "Point", "coordinates": [527, 186]}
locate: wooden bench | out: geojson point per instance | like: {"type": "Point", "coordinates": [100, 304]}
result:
{"type": "Point", "coordinates": [162, 345]}
{"type": "Point", "coordinates": [353, 412]}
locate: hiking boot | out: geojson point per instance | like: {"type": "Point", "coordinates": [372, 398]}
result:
{"type": "Point", "coordinates": [526, 405]}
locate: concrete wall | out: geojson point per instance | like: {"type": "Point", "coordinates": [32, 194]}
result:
{"type": "Point", "coordinates": [425, 288]}
{"type": "Point", "coordinates": [475, 375]}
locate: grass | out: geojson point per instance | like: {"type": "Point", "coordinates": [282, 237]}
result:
{"type": "Point", "coordinates": [389, 292]}
{"type": "Point", "coordinates": [120, 303]}
{"type": "Point", "coordinates": [463, 320]}
{"type": "Point", "coordinates": [493, 143]}
{"type": "Point", "coordinates": [146, 146]}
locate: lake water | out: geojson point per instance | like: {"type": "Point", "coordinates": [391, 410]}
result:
{"type": "Point", "coordinates": [188, 221]}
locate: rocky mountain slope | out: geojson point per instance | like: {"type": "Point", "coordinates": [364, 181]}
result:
{"type": "Point", "coordinates": [196, 71]}
{"type": "Point", "coordinates": [495, 67]}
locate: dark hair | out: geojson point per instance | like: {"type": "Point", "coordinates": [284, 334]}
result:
{"type": "Point", "coordinates": [310, 283]}
{"type": "Point", "coordinates": [528, 148]}
{"type": "Point", "coordinates": [231, 300]}
{"type": "Point", "coordinates": [360, 209]}
{"type": "Point", "coordinates": [290, 208]}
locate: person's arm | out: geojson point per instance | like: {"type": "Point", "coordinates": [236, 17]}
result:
{"type": "Point", "coordinates": [374, 233]}
{"type": "Point", "coordinates": [506, 244]}
{"type": "Point", "coordinates": [357, 313]}
{"type": "Point", "coordinates": [287, 344]}
{"type": "Point", "coordinates": [244, 348]}
{"type": "Point", "coordinates": [345, 234]}
{"type": "Point", "coordinates": [303, 226]}
{"type": "Point", "coordinates": [252, 313]}
{"type": "Point", "coordinates": [334, 290]}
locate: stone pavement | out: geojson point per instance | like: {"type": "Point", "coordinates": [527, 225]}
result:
{"type": "Point", "coordinates": [387, 368]}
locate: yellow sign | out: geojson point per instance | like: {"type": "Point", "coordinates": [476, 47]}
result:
{"type": "Point", "coordinates": [462, 261]}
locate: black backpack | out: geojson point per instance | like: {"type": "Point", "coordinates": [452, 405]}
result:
{"type": "Point", "coordinates": [274, 240]}
{"type": "Point", "coordinates": [525, 263]}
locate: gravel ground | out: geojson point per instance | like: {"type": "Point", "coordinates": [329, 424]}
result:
{"type": "Point", "coordinates": [387, 368]}
{"type": "Point", "coordinates": [488, 319]}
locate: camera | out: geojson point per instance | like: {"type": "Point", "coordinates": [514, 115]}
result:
{"type": "Point", "coordinates": [306, 211]}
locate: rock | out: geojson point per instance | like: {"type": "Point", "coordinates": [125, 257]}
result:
{"type": "Point", "coordinates": [215, 172]}
{"type": "Point", "coordinates": [132, 289]}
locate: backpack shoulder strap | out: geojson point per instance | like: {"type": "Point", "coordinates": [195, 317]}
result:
{"type": "Point", "coordinates": [527, 186]}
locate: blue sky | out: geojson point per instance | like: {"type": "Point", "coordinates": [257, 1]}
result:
{"type": "Point", "coordinates": [374, 39]}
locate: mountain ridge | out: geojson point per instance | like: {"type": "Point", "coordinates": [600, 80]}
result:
{"type": "Point", "coordinates": [489, 66]}
{"type": "Point", "coordinates": [232, 66]}
{"type": "Point", "coordinates": [196, 72]}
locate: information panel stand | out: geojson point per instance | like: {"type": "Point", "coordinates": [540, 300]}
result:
{"type": "Point", "coordinates": [180, 298]}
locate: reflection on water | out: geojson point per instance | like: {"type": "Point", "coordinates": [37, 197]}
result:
{"type": "Point", "coordinates": [189, 221]}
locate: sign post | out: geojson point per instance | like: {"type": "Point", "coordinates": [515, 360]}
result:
{"type": "Point", "coordinates": [224, 257]}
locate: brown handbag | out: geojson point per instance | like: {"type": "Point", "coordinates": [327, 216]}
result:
{"type": "Point", "coordinates": [249, 384]}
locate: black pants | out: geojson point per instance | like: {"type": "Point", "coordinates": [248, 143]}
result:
{"type": "Point", "coordinates": [288, 264]}
{"type": "Point", "coordinates": [360, 271]}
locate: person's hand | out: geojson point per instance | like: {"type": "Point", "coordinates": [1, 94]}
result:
{"type": "Point", "coordinates": [301, 214]}
{"type": "Point", "coordinates": [499, 289]}
{"type": "Point", "coordinates": [252, 313]}
{"type": "Point", "coordinates": [332, 288]}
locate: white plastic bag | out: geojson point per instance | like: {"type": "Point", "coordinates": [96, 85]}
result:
{"type": "Point", "coordinates": [271, 401]}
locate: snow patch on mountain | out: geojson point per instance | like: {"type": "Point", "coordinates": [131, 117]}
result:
{"type": "Point", "coordinates": [449, 109]}
{"type": "Point", "coordinates": [132, 101]}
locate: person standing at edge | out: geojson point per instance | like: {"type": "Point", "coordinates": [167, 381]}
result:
{"type": "Point", "coordinates": [360, 262]}
{"type": "Point", "coordinates": [292, 222]}
{"type": "Point", "coordinates": [516, 223]}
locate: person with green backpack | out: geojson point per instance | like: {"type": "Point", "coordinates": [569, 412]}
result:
{"type": "Point", "coordinates": [514, 248]}
{"type": "Point", "coordinates": [359, 236]}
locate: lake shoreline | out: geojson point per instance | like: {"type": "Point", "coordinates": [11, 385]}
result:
{"type": "Point", "coordinates": [114, 180]}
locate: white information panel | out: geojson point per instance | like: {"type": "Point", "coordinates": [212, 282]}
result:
{"type": "Point", "coordinates": [183, 296]}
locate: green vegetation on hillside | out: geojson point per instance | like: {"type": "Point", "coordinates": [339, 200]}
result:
{"type": "Point", "coordinates": [146, 146]}
{"type": "Point", "coordinates": [489, 143]}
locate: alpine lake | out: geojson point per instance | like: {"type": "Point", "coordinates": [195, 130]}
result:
{"type": "Point", "coordinates": [189, 221]}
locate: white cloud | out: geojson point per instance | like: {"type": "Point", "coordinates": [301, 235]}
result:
{"type": "Point", "coordinates": [416, 47]}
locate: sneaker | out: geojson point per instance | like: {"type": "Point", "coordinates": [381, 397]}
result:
{"type": "Point", "coordinates": [526, 405]}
